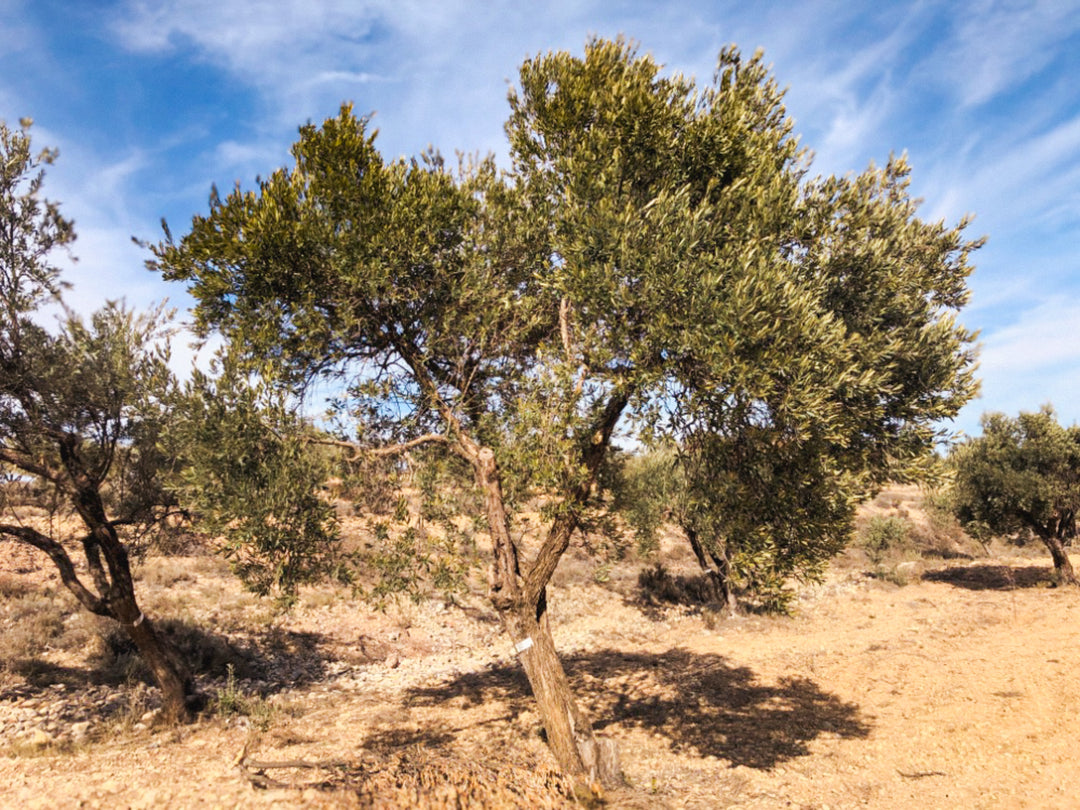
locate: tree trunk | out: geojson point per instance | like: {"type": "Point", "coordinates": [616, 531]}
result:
{"type": "Point", "coordinates": [178, 696]}
{"type": "Point", "coordinates": [1062, 565]}
{"type": "Point", "coordinates": [580, 753]}
{"type": "Point", "coordinates": [117, 586]}
{"type": "Point", "coordinates": [578, 750]}
{"type": "Point", "coordinates": [720, 576]}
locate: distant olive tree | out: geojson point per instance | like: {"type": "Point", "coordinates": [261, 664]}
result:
{"type": "Point", "coordinates": [80, 413]}
{"type": "Point", "coordinates": [655, 259]}
{"type": "Point", "coordinates": [756, 510]}
{"type": "Point", "coordinates": [1021, 477]}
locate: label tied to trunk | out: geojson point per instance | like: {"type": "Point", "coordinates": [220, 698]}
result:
{"type": "Point", "coordinates": [523, 645]}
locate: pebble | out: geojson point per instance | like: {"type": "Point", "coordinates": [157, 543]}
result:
{"type": "Point", "coordinates": [39, 738]}
{"type": "Point", "coordinates": [55, 714]}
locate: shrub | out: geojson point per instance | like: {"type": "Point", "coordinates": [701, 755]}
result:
{"type": "Point", "coordinates": [883, 536]}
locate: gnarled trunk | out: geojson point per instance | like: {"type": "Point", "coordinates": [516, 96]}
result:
{"type": "Point", "coordinates": [578, 750]}
{"type": "Point", "coordinates": [116, 586]}
{"type": "Point", "coordinates": [1062, 565]}
{"type": "Point", "coordinates": [178, 695]}
{"type": "Point", "coordinates": [720, 576]}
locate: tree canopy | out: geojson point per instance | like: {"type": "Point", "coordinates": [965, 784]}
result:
{"type": "Point", "coordinates": [655, 260]}
{"type": "Point", "coordinates": [1021, 476]}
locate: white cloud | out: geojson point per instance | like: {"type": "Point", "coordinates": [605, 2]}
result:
{"type": "Point", "coordinates": [1033, 178]}
{"type": "Point", "coordinates": [1032, 361]}
{"type": "Point", "coordinates": [343, 76]}
{"type": "Point", "coordinates": [999, 45]}
{"type": "Point", "coordinates": [1042, 339]}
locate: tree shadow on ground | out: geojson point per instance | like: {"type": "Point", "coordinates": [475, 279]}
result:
{"type": "Point", "coordinates": [270, 662]}
{"type": "Point", "coordinates": [989, 577]}
{"type": "Point", "coordinates": [700, 703]}
{"type": "Point", "coordinates": [397, 739]}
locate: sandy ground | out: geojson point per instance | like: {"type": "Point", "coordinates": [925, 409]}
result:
{"type": "Point", "coordinates": [955, 691]}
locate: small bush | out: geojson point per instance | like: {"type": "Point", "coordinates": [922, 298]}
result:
{"type": "Point", "coordinates": [884, 536]}
{"type": "Point", "coordinates": [231, 701]}
{"type": "Point", "coordinates": [945, 537]}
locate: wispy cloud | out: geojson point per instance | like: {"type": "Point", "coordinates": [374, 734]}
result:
{"type": "Point", "coordinates": [1041, 340]}
{"type": "Point", "coordinates": [1000, 45]}
{"type": "Point", "coordinates": [1032, 361]}
{"type": "Point", "coordinates": [982, 95]}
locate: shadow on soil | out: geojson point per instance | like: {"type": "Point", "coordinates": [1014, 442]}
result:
{"type": "Point", "coordinates": [988, 577]}
{"type": "Point", "coordinates": [276, 660]}
{"type": "Point", "coordinates": [700, 703]}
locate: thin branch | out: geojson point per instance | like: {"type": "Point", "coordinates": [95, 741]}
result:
{"type": "Point", "coordinates": [593, 452]}
{"type": "Point", "coordinates": [360, 451]}
{"type": "Point", "coordinates": [564, 328]}
{"type": "Point", "coordinates": [58, 554]}
{"type": "Point", "coordinates": [464, 445]}
{"type": "Point", "coordinates": [27, 463]}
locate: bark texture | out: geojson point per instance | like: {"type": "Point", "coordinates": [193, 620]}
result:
{"type": "Point", "coordinates": [1062, 564]}
{"type": "Point", "coordinates": [111, 591]}
{"type": "Point", "coordinates": [720, 575]}
{"type": "Point", "coordinates": [522, 607]}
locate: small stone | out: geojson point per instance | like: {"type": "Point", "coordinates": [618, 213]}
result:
{"type": "Point", "coordinates": [80, 730]}
{"type": "Point", "coordinates": [39, 738]}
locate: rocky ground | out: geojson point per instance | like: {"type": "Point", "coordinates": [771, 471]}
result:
{"type": "Point", "coordinates": [953, 690]}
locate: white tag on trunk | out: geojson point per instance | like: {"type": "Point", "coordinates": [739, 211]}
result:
{"type": "Point", "coordinates": [523, 645]}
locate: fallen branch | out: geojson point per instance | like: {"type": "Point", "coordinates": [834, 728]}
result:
{"type": "Point", "coordinates": [921, 774]}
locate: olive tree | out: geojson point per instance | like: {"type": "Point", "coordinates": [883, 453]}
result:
{"type": "Point", "coordinates": [654, 260]}
{"type": "Point", "coordinates": [80, 411]}
{"type": "Point", "coordinates": [755, 510]}
{"type": "Point", "coordinates": [1021, 477]}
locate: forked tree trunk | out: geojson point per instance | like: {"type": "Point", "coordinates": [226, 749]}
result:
{"type": "Point", "coordinates": [117, 601]}
{"type": "Point", "coordinates": [720, 576]}
{"type": "Point", "coordinates": [579, 752]}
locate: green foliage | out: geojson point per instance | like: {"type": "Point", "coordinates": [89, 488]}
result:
{"type": "Point", "coordinates": [647, 490]}
{"type": "Point", "coordinates": [883, 535]}
{"type": "Point", "coordinates": [1022, 475]}
{"type": "Point", "coordinates": [81, 408]}
{"type": "Point", "coordinates": [655, 250]}
{"type": "Point", "coordinates": [231, 701]}
{"type": "Point", "coordinates": [250, 476]}
{"type": "Point", "coordinates": [33, 230]}
{"type": "Point", "coordinates": [405, 558]}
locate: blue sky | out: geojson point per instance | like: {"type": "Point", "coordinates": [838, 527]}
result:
{"type": "Point", "coordinates": [152, 102]}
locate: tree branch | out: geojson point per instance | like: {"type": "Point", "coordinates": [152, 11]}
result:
{"type": "Point", "coordinates": [58, 554]}
{"type": "Point", "coordinates": [28, 464]}
{"type": "Point", "coordinates": [360, 451]}
{"type": "Point", "coordinates": [558, 539]}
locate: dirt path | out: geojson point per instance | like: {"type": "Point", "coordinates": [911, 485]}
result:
{"type": "Point", "coordinates": [956, 691]}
